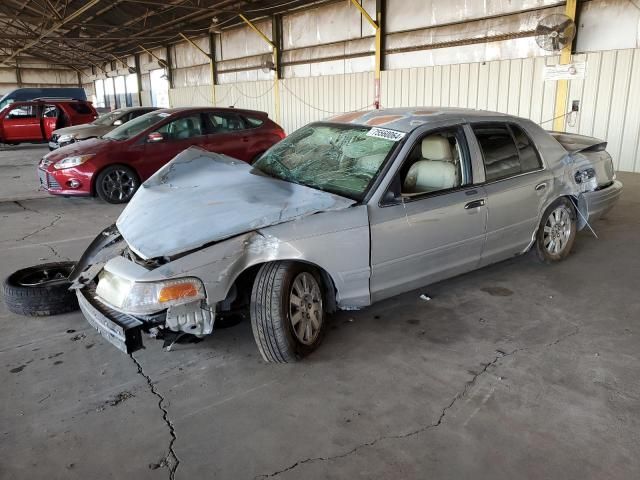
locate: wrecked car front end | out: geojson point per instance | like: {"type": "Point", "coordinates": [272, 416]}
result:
{"type": "Point", "coordinates": [171, 262]}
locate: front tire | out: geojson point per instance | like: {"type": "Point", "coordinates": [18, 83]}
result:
{"type": "Point", "coordinates": [117, 184]}
{"type": "Point", "coordinates": [40, 290]}
{"type": "Point", "coordinates": [557, 231]}
{"type": "Point", "coordinates": [287, 311]}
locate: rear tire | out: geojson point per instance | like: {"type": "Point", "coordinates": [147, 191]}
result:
{"type": "Point", "coordinates": [557, 231]}
{"type": "Point", "coordinates": [287, 311]}
{"type": "Point", "coordinates": [117, 184]}
{"type": "Point", "coordinates": [40, 290]}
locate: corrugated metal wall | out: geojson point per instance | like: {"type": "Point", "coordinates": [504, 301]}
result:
{"type": "Point", "coordinates": [609, 95]}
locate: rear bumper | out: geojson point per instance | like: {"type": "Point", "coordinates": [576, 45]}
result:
{"type": "Point", "coordinates": [121, 330]}
{"type": "Point", "coordinates": [601, 201]}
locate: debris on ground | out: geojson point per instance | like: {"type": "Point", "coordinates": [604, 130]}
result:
{"type": "Point", "coordinates": [425, 297]}
{"type": "Point", "coordinates": [115, 401]}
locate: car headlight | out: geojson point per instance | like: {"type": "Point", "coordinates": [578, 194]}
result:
{"type": "Point", "coordinates": [145, 298]}
{"type": "Point", "coordinates": [66, 137]}
{"type": "Point", "coordinates": [74, 161]}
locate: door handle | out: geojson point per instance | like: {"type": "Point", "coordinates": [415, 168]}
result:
{"type": "Point", "coordinates": [541, 186]}
{"type": "Point", "coordinates": [474, 204]}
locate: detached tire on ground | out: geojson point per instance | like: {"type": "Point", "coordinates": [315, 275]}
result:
{"type": "Point", "coordinates": [40, 290]}
{"type": "Point", "coordinates": [557, 231]}
{"type": "Point", "coordinates": [117, 184]}
{"type": "Point", "coordinates": [287, 311]}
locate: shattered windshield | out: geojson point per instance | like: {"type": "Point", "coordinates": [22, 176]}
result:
{"type": "Point", "coordinates": [341, 159]}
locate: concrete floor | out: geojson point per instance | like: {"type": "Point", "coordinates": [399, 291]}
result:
{"type": "Point", "coordinates": [519, 370]}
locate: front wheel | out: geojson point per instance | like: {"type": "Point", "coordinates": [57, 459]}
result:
{"type": "Point", "coordinates": [117, 184]}
{"type": "Point", "coordinates": [557, 231]}
{"type": "Point", "coordinates": [287, 311]}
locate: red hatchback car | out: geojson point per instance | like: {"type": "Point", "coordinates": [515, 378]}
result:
{"type": "Point", "coordinates": [35, 121]}
{"type": "Point", "coordinates": [113, 166]}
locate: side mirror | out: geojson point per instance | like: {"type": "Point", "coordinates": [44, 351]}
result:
{"type": "Point", "coordinates": [117, 123]}
{"type": "Point", "coordinates": [390, 197]}
{"type": "Point", "coordinates": [155, 137]}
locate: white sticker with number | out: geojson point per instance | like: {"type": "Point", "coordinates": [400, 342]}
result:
{"type": "Point", "coordinates": [385, 133]}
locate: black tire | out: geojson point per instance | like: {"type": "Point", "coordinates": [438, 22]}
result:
{"type": "Point", "coordinates": [555, 237]}
{"type": "Point", "coordinates": [271, 318]}
{"type": "Point", "coordinates": [117, 184]}
{"type": "Point", "coordinates": [25, 294]}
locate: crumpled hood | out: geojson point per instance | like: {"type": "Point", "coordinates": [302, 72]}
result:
{"type": "Point", "coordinates": [85, 130]}
{"type": "Point", "coordinates": [201, 197]}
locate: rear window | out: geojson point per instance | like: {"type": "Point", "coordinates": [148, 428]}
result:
{"type": "Point", "coordinates": [81, 108]}
{"type": "Point", "coordinates": [506, 151]}
{"type": "Point", "coordinates": [253, 122]}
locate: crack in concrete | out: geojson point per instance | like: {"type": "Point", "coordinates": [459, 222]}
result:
{"type": "Point", "coordinates": [18, 203]}
{"type": "Point", "coordinates": [54, 252]}
{"type": "Point", "coordinates": [53, 222]}
{"type": "Point", "coordinates": [424, 428]}
{"type": "Point", "coordinates": [171, 460]}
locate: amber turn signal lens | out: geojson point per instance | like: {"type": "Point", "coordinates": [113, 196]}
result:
{"type": "Point", "coordinates": [175, 292]}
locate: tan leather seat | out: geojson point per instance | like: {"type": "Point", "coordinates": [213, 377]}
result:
{"type": "Point", "coordinates": [436, 171]}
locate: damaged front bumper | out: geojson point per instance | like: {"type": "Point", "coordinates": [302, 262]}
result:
{"type": "Point", "coordinates": [121, 330]}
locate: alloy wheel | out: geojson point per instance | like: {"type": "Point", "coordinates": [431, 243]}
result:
{"type": "Point", "coordinates": [119, 185]}
{"type": "Point", "coordinates": [557, 230]}
{"type": "Point", "coordinates": [305, 308]}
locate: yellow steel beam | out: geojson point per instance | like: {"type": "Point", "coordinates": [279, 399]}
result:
{"type": "Point", "coordinates": [378, 59]}
{"type": "Point", "coordinates": [276, 81]}
{"type": "Point", "coordinates": [211, 67]}
{"type": "Point", "coordinates": [118, 59]}
{"type": "Point", "coordinates": [365, 14]}
{"type": "Point", "coordinates": [163, 63]}
{"type": "Point", "coordinates": [257, 30]}
{"type": "Point", "coordinates": [562, 87]}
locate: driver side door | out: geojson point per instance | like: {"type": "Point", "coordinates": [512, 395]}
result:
{"type": "Point", "coordinates": [174, 136]}
{"type": "Point", "coordinates": [430, 224]}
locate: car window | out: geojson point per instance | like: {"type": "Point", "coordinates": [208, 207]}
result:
{"type": "Point", "coordinates": [499, 151]}
{"type": "Point", "coordinates": [81, 108]}
{"type": "Point", "coordinates": [434, 164]}
{"type": "Point", "coordinates": [182, 128]}
{"type": "Point", "coordinates": [224, 122]}
{"type": "Point", "coordinates": [529, 158]}
{"type": "Point", "coordinates": [50, 111]}
{"type": "Point", "coordinates": [253, 122]}
{"type": "Point", "coordinates": [23, 112]}
{"type": "Point", "coordinates": [136, 126]}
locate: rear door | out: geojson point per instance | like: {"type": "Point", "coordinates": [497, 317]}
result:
{"type": "Point", "coordinates": [22, 123]}
{"type": "Point", "coordinates": [177, 135]}
{"type": "Point", "coordinates": [228, 135]}
{"type": "Point", "coordinates": [517, 186]}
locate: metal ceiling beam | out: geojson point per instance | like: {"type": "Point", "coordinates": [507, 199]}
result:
{"type": "Point", "coordinates": [53, 28]}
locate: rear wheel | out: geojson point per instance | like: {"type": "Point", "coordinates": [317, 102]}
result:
{"type": "Point", "coordinates": [117, 184]}
{"type": "Point", "coordinates": [40, 290]}
{"type": "Point", "coordinates": [557, 231]}
{"type": "Point", "coordinates": [287, 311]}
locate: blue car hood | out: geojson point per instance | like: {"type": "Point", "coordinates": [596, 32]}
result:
{"type": "Point", "coordinates": [202, 197]}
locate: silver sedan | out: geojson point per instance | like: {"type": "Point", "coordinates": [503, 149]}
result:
{"type": "Point", "coordinates": [338, 215]}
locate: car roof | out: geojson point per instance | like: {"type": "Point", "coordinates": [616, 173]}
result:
{"type": "Point", "coordinates": [208, 109]}
{"type": "Point", "coordinates": [407, 119]}
{"type": "Point", "coordinates": [49, 101]}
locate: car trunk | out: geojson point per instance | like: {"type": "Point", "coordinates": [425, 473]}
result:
{"type": "Point", "coordinates": [588, 153]}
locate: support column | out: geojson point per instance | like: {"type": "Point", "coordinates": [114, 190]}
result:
{"type": "Point", "coordinates": [212, 67]}
{"type": "Point", "coordinates": [377, 25]}
{"type": "Point", "coordinates": [210, 56]}
{"type": "Point", "coordinates": [274, 46]}
{"type": "Point", "coordinates": [136, 60]}
{"type": "Point", "coordinates": [562, 87]}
